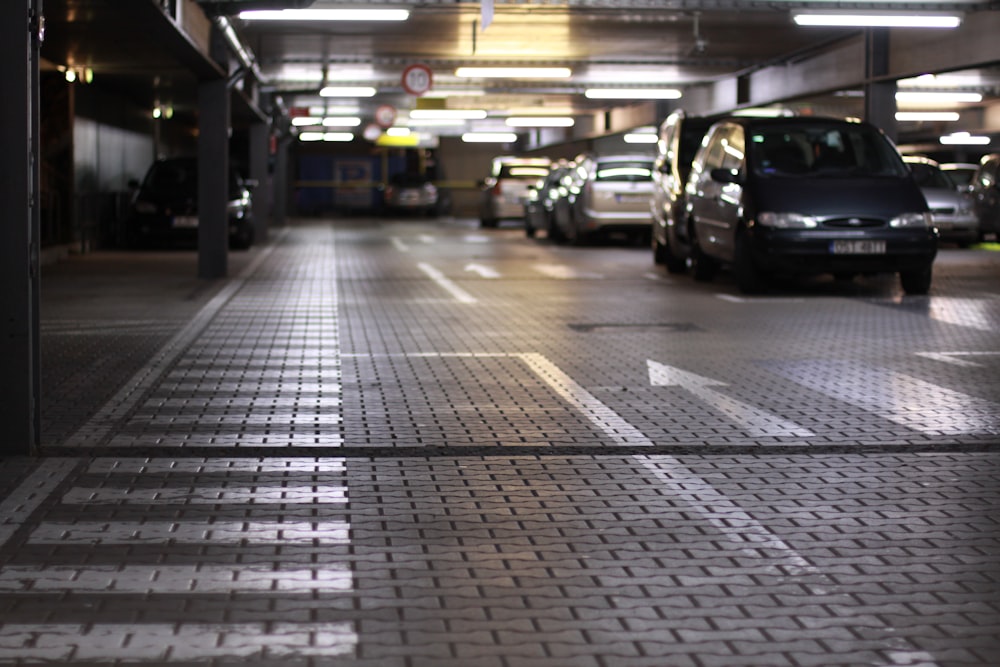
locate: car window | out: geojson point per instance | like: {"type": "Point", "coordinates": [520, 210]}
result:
{"type": "Point", "coordinates": [823, 150]}
{"type": "Point", "coordinates": [732, 149]}
{"type": "Point", "coordinates": [929, 176]}
{"type": "Point", "coordinates": [715, 149]}
{"type": "Point", "coordinates": [624, 170]}
{"type": "Point", "coordinates": [173, 178]}
{"type": "Point", "coordinates": [527, 172]}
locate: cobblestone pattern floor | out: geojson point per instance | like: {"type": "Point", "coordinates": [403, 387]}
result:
{"type": "Point", "coordinates": [364, 450]}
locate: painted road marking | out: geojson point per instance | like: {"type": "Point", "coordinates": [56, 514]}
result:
{"type": "Point", "coordinates": [29, 494]}
{"type": "Point", "coordinates": [173, 579]}
{"type": "Point", "coordinates": [564, 272]}
{"type": "Point", "coordinates": [483, 270]}
{"type": "Point", "coordinates": [325, 533]}
{"type": "Point", "coordinates": [134, 466]}
{"type": "Point", "coordinates": [160, 643]}
{"type": "Point", "coordinates": [202, 495]}
{"type": "Point", "coordinates": [956, 358]}
{"type": "Point", "coordinates": [754, 421]}
{"type": "Point", "coordinates": [447, 285]}
{"type": "Point", "coordinates": [398, 244]}
{"type": "Point", "coordinates": [903, 399]}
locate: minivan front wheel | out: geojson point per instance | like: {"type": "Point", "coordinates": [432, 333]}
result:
{"type": "Point", "coordinates": [916, 281]}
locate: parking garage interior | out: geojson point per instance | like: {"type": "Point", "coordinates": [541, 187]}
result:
{"type": "Point", "coordinates": [378, 437]}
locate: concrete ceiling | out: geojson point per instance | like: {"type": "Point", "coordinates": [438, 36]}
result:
{"type": "Point", "coordinates": [688, 44]}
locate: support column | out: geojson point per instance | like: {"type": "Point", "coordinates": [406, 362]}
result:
{"type": "Point", "coordinates": [281, 181]}
{"type": "Point", "coordinates": [880, 95]}
{"type": "Point", "coordinates": [19, 360]}
{"type": "Point", "coordinates": [213, 178]}
{"type": "Point", "coordinates": [260, 135]}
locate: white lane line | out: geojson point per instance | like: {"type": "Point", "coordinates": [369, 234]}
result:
{"type": "Point", "coordinates": [29, 494]}
{"type": "Point", "coordinates": [759, 299]}
{"type": "Point", "coordinates": [482, 270]}
{"type": "Point", "coordinates": [136, 466]}
{"type": "Point", "coordinates": [903, 399]}
{"type": "Point", "coordinates": [267, 533]}
{"type": "Point", "coordinates": [201, 495]}
{"type": "Point", "coordinates": [426, 239]}
{"type": "Point", "coordinates": [117, 408]}
{"type": "Point", "coordinates": [603, 417]}
{"type": "Point", "coordinates": [754, 421]}
{"type": "Point", "coordinates": [174, 579]}
{"type": "Point", "coordinates": [956, 358]}
{"type": "Point", "coordinates": [161, 643]}
{"type": "Point", "coordinates": [398, 244]}
{"type": "Point", "coordinates": [564, 272]}
{"type": "Point", "coordinates": [444, 283]}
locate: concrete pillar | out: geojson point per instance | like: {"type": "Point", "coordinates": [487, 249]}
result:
{"type": "Point", "coordinates": [880, 94]}
{"type": "Point", "coordinates": [260, 135]}
{"type": "Point", "coordinates": [19, 234]}
{"type": "Point", "coordinates": [213, 178]}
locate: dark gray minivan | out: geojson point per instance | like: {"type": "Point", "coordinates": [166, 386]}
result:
{"type": "Point", "coordinates": [805, 195]}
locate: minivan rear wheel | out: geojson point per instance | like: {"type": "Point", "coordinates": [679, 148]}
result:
{"type": "Point", "coordinates": [917, 281]}
{"type": "Point", "coordinates": [702, 266]}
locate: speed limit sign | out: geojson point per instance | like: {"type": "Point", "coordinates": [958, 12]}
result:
{"type": "Point", "coordinates": [417, 79]}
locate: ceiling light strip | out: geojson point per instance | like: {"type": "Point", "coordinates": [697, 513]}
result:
{"type": "Point", "coordinates": [325, 15]}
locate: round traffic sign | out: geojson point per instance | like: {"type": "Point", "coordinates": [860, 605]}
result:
{"type": "Point", "coordinates": [385, 115]}
{"type": "Point", "coordinates": [417, 79]}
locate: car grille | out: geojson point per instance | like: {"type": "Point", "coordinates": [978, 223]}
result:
{"type": "Point", "coordinates": [854, 223]}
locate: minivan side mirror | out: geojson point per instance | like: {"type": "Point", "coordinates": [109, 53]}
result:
{"type": "Point", "coordinates": [726, 175]}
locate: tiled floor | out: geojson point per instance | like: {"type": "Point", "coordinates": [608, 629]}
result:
{"type": "Point", "coordinates": [417, 443]}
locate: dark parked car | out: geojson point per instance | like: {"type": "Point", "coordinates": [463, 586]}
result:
{"type": "Point", "coordinates": [986, 194]}
{"type": "Point", "coordinates": [165, 205]}
{"type": "Point", "coordinates": [679, 137]}
{"type": "Point", "coordinates": [411, 193]}
{"type": "Point", "coordinates": [806, 195]}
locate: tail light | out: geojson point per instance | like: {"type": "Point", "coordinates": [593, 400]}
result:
{"type": "Point", "coordinates": [497, 189]}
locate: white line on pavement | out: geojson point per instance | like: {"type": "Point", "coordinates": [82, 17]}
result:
{"type": "Point", "coordinates": [160, 643]}
{"type": "Point", "coordinates": [444, 283]}
{"type": "Point", "coordinates": [173, 579]}
{"type": "Point", "coordinates": [266, 533]}
{"type": "Point", "coordinates": [201, 495]}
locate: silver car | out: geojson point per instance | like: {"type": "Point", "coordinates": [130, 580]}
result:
{"type": "Point", "coordinates": [505, 190]}
{"type": "Point", "coordinates": [952, 210]}
{"type": "Point", "coordinates": [606, 194]}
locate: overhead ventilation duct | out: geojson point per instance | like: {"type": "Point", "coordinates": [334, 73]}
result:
{"type": "Point", "coordinates": [233, 7]}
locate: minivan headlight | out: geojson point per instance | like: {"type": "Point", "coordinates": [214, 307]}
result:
{"type": "Point", "coordinates": [911, 220]}
{"type": "Point", "coordinates": [787, 220]}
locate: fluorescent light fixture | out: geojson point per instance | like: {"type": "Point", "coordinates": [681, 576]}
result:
{"type": "Point", "coordinates": [514, 72]}
{"type": "Point", "coordinates": [337, 73]}
{"type": "Point", "coordinates": [472, 92]}
{"type": "Point", "coordinates": [341, 121]}
{"type": "Point", "coordinates": [449, 114]}
{"type": "Point", "coordinates": [326, 136]}
{"type": "Point", "coordinates": [540, 121]}
{"type": "Point", "coordinates": [489, 137]}
{"type": "Point", "coordinates": [398, 132]}
{"type": "Point", "coordinates": [632, 93]}
{"type": "Point", "coordinates": [915, 97]}
{"type": "Point", "coordinates": [640, 138]}
{"type": "Point", "coordinates": [762, 112]}
{"type": "Point", "coordinates": [300, 121]}
{"type": "Point", "coordinates": [918, 116]}
{"type": "Point", "coordinates": [435, 122]}
{"type": "Point", "coordinates": [347, 91]}
{"type": "Point", "coordinates": [964, 139]}
{"type": "Point", "coordinates": [333, 110]}
{"type": "Point", "coordinates": [878, 20]}
{"type": "Point", "coordinates": [325, 15]}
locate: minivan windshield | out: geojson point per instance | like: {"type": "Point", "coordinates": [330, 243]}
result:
{"type": "Point", "coordinates": [823, 150]}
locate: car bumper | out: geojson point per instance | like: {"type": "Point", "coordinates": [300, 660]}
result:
{"type": "Point", "coordinates": [956, 227]}
{"type": "Point", "coordinates": [811, 251]}
{"type": "Point", "coordinates": [594, 220]}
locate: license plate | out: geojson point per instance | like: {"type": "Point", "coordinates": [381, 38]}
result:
{"type": "Point", "coordinates": [186, 221]}
{"type": "Point", "coordinates": [631, 199]}
{"type": "Point", "coordinates": [857, 247]}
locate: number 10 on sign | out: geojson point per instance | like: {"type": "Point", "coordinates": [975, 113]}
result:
{"type": "Point", "coordinates": [417, 79]}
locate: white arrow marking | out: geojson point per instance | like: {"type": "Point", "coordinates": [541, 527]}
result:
{"type": "Point", "coordinates": [399, 245]}
{"type": "Point", "coordinates": [426, 238]}
{"type": "Point", "coordinates": [483, 271]}
{"type": "Point", "coordinates": [564, 272]}
{"type": "Point", "coordinates": [953, 357]}
{"type": "Point", "coordinates": [756, 422]}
